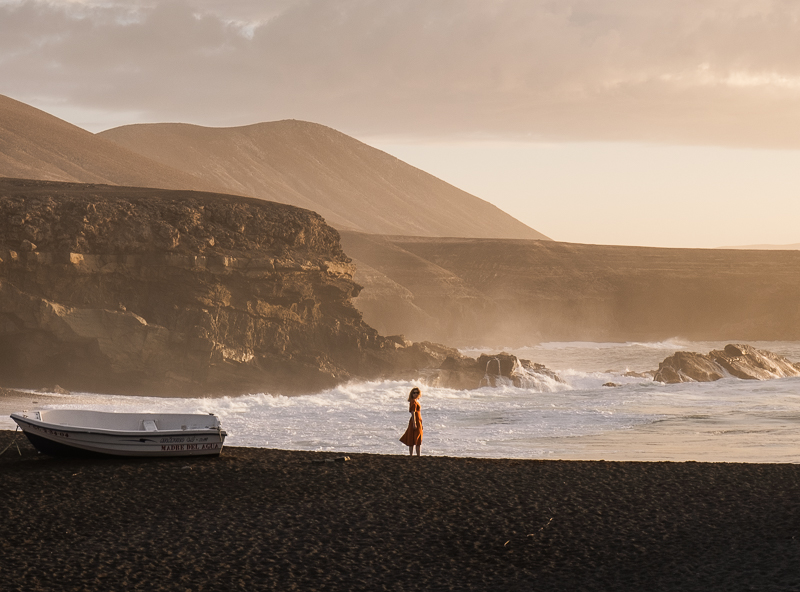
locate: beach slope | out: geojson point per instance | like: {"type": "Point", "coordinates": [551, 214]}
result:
{"type": "Point", "coordinates": [260, 519]}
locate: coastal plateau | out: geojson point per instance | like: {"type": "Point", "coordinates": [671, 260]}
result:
{"type": "Point", "coordinates": [512, 293]}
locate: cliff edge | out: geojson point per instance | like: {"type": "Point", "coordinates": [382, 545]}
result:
{"type": "Point", "coordinates": [157, 292]}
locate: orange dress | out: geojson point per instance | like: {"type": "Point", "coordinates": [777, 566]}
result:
{"type": "Point", "coordinates": [413, 435]}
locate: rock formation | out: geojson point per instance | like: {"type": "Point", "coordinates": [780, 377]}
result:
{"type": "Point", "coordinates": [741, 361]}
{"type": "Point", "coordinates": [492, 370]}
{"type": "Point", "coordinates": [130, 290]}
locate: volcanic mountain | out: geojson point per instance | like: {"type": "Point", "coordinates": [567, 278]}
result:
{"type": "Point", "coordinates": [36, 145]}
{"type": "Point", "coordinates": [352, 185]}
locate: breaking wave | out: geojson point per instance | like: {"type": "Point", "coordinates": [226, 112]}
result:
{"type": "Point", "coordinates": [542, 418]}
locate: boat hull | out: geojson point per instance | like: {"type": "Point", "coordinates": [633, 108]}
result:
{"type": "Point", "coordinates": [59, 440]}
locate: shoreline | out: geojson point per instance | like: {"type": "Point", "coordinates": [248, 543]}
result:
{"type": "Point", "coordinates": [13, 400]}
{"type": "Point", "coordinates": [268, 519]}
{"type": "Point", "coordinates": [721, 439]}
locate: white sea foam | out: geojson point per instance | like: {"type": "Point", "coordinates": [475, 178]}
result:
{"type": "Point", "coordinates": [545, 420]}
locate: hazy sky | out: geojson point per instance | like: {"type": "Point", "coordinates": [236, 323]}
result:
{"type": "Point", "coordinates": [656, 122]}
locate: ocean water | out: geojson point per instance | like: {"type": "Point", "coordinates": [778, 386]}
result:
{"type": "Point", "coordinates": [727, 420]}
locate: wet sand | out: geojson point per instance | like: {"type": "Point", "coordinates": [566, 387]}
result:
{"type": "Point", "coordinates": [13, 401]}
{"type": "Point", "coordinates": [719, 439]}
{"type": "Point", "coordinates": [262, 519]}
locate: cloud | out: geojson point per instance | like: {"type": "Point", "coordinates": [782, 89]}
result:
{"type": "Point", "coordinates": [713, 72]}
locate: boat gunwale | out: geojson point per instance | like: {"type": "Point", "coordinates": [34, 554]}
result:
{"type": "Point", "coordinates": [107, 432]}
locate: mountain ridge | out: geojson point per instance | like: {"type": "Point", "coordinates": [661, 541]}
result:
{"type": "Point", "coordinates": [764, 247]}
{"type": "Point", "coordinates": [37, 145]}
{"type": "Point", "coordinates": [352, 185]}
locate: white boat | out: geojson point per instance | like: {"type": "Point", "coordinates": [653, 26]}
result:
{"type": "Point", "coordinates": [73, 432]}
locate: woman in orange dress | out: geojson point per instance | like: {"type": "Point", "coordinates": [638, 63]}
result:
{"type": "Point", "coordinates": [413, 435]}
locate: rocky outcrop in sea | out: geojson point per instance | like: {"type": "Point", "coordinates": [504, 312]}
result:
{"type": "Point", "coordinates": [491, 370]}
{"type": "Point", "coordinates": [738, 360]}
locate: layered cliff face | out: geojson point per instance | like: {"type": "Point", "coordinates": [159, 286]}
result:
{"type": "Point", "coordinates": [130, 290]}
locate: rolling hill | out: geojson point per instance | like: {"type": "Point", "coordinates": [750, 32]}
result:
{"type": "Point", "coordinates": [36, 145]}
{"type": "Point", "coordinates": [352, 185]}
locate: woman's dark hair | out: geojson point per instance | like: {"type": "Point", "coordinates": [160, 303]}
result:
{"type": "Point", "coordinates": [415, 392]}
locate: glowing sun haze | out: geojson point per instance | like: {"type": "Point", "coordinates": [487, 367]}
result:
{"type": "Point", "coordinates": [664, 123]}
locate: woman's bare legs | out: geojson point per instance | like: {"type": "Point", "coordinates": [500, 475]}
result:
{"type": "Point", "coordinates": [411, 451]}
{"type": "Point", "coordinates": [417, 449]}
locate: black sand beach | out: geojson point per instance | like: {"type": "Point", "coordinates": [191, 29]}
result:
{"type": "Point", "coordinates": [262, 519]}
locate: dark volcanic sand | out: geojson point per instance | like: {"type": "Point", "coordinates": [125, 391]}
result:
{"type": "Point", "coordinates": [260, 519]}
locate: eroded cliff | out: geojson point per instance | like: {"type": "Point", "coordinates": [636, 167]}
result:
{"type": "Point", "coordinates": [146, 291]}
